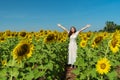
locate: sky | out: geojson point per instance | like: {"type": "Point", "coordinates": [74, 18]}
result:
{"type": "Point", "coordinates": [34, 15]}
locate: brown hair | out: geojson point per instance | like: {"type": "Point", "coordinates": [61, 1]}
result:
{"type": "Point", "coordinates": [70, 32]}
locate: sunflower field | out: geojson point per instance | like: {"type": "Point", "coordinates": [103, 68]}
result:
{"type": "Point", "coordinates": [43, 55]}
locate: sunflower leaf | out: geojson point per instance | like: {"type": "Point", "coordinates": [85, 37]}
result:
{"type": "Point", "coordinates": [29, 76]}
{"type": "Point", "coordinates": [112, 75]}
{"type": "Point", "coordinates": [3, 74]}
{"type": "Point", "coordinates": [15, 72]}
{"type": "Point", "coordinates": [38, 73]}
{"type": "Point", "coordinates": [76, 71]}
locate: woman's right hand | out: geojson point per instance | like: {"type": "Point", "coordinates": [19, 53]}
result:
{"type": "Point", "coordinates": [59, 24]}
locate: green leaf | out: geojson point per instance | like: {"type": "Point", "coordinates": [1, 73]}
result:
{"type": "Point", "coordinates": [29, 76]}
{"type": "Point", "coordinates": [53, 56]}
{"type": "Point", "coordinates": [93, 73]}
{"type": "Point", "coordinates": [15, 72]}
{"type": "Point", "coordinates": [112, 75]}
{"type": "Point", "coordinates": [76, 71]}
{"type": "Point", "coordinates": [3, 74]}
{"type": "Point", "coordinates": [82, 77]}
{"type": "Point", "coordinates": [49, 66]}
{"type": "Point", "coordinates": [116, 63]}
{"type": "Point", "coordinates": [38, 73]}
{"type": "Point", "coordinates": [38, 47]}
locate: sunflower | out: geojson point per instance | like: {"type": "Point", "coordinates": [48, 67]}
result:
{"type": "Point", "coordinates": [114, 46]}
{"type": "Point", "coordinates": [89, 34]}
{"type": "Point", "coordinates": [37, 37]}
{"type": "Point", "coordinates": [85, 38]}
{"type": "Point", "coordinates": [22, 50]}
{"type": "Point", "coordinates": [116, 35]}
{"type": "Point", "coordinates": [1, 33]}
{"type": "Point", "coordinates": [4, 62]}
{"type": "Point", "coordinates": [2, 39]}
{"type": "Point", "coordinates": [103, 66]}
{"type": "Point", "coordinates": [105, 34]}
{"type": "Point", "coordinates": [97, 40]}
{"type": "Point", "coordinates": [50, 38]}
{"type": "Point", "coordinates": [83, 43]}
{"type": "Point", "coordinates": [14, 34]}
{"type": "Point", "coordinates": [7, 33]}
{"type": "Point", "coordinates": [46, 32]}
{"type": "Point", "coordinates": [62, 39]}
{"type": "Point", "coordinates": [22, 33]}
{"type": "Point", "coordinates": [94, 45]}
{"type": "Point", "coordinates": [41, 33]}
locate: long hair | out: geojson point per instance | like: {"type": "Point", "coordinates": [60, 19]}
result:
{"type": "Point", "coordinates": [70, 32]}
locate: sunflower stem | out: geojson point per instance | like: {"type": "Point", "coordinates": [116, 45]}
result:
{"type": "Point", "coordinates": [11, 74]}
{"type": "Point", "coordinates": [107, 50]}
{"type": "Point", "coordinates": [101, 77]}
{"type": "Point", "coordinates": [88, 78]}
{"type": "Point", "coordinates": [13, 61]}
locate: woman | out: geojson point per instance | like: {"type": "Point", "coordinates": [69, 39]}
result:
{"type": "Point", "coordinates": [72, 45]}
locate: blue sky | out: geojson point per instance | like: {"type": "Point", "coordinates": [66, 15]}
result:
{"type": "Point", "coordinates": [33, 15]}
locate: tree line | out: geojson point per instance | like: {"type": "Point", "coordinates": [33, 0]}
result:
{"type": "Point", "coordinates": [110, 26]}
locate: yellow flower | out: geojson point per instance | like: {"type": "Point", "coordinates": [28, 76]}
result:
{"type": "Point", "coordinates": [63, 39]}
{"type": "Point", "coordinates": [7, 33]}
{"type": "Point", "coordinates": [96, 41]}
{"type": "Point", "coordinates": [4, 62]}
{"type": "Point", "coordinates": [103, 66]}
{"type": "Point", "coordinates": [105, 34]}
{"type": "Point", "coordinates": [50, 38]}
{"type": "Point", "coordinates": [94, 45]}
{"type": "Point", "coordinates": [2, 39]}
{"type": "Point", "coordinates": [88, 34]}
{"type": "Point", "coordinates": [83, 43]}
{"type": "Point", "coordinates": [22, 34]}
{"type": "Point", "coordinates": [84, 38]}
{"type": "Point", "coordinates": [116, 35]}
{"type": "Point", "coordinates": [41, 31]}
{"type": "Point", "coordinates": [114, 46]}
{"type": "Point", "coordinates": [22, 50]}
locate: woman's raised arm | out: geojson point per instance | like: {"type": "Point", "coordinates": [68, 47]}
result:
{"type": "Point", "coordinates": [88, 25]}
{"type": "Point", "coordinates": [59, 25]}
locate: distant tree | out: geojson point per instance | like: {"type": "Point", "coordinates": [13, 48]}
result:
{"type": "Point", "coordinates": [117, 27]}
{"type": "Point", "coordinates": [110, 26]}
{"type": "Point", "coordinates": [100, 30]}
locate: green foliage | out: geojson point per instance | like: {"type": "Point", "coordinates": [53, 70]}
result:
{"type": "Point", "coordinates": [48, 60]}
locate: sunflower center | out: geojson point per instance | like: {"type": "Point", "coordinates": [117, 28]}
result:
{"type": "Point", "coordinates": [3, 62]}
{"type": "Point", "coordinates": [83, 43]}
{"type": "Point", "coordinates": [114, 42]}
{"type": "Point", "coordinates": [50, 37]}
{"type": "Point", "coordinates": [98, 39]}
{"type": "Point", "coordinates": [85, 38]}
{"type": "Point", "coordinates": [22, 34]}
{"type": "Point", "coordinates": [103, 66]}
{"type": "Point", "coordinates": [24, 50]}
{"type": "Point", "coordinates": [2, 38]}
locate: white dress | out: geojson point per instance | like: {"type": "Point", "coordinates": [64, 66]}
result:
{"type": "Point", "coordinates": [72, 49]}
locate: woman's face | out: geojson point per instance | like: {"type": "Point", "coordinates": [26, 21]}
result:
{"type": "Point", "coordinates": [72, 30]}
